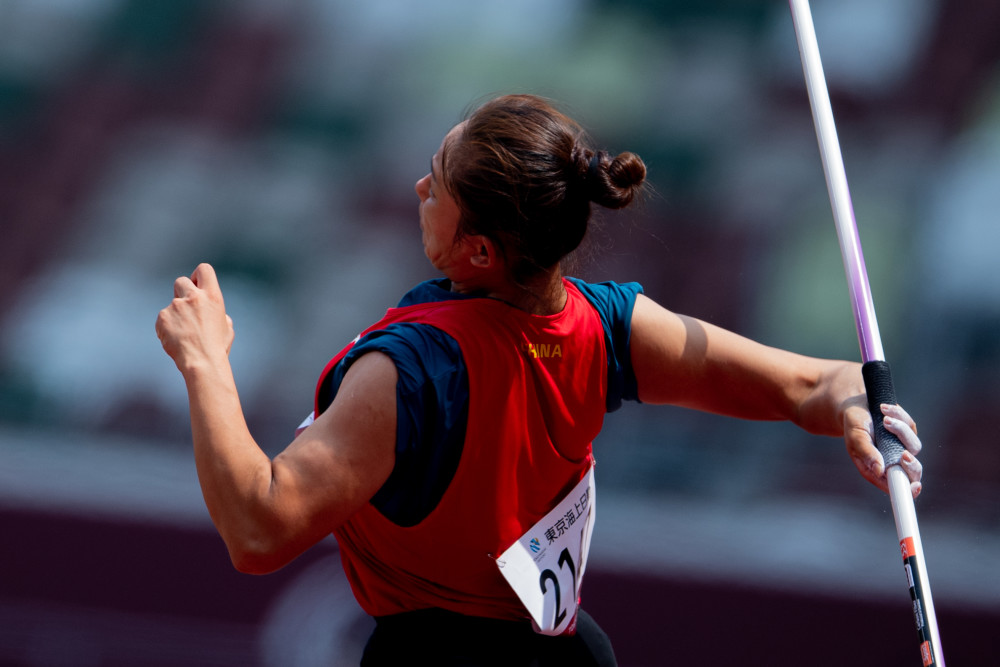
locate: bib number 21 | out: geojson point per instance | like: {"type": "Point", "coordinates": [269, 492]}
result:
{"type": "Point", "coordinates": [545, 566]}
{"type": "Point", "coordinates": [550, 576]}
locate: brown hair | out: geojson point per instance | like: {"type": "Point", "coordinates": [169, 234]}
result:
{"type": "Point", "coordinates": [523, 175]}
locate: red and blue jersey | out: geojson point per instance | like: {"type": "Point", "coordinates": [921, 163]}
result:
{"type": "Point", "coordinates": [496, 412]}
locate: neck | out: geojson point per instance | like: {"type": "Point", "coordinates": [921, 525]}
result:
{"type": "Point", "coordinates": [542, 295]}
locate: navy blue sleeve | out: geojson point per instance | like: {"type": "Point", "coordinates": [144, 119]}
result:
{"type": "Point", "coordinates": [614, 303]}
{"type": "Point", "coordinates": [431, 415]}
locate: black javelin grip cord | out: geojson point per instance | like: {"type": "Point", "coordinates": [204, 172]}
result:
{"type": "Point", "coordinates": [878, 384]}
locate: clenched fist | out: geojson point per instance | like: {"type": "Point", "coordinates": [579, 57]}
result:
{"type": "Point", "coordinates": [195, 329]}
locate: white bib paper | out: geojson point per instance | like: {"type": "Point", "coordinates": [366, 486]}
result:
{"type": "Point", "coordinates": [545, 566]}
{"type": "Point", "coordinates": [306, 423]}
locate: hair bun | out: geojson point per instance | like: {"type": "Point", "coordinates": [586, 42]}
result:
{"type": "Point", "coordinates": [614, 183]}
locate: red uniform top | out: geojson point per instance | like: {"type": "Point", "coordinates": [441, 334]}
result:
{"type": "Point", "coordinates": [537, 388]}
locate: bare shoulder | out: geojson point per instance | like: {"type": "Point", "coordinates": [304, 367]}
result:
{"type": "Point", "coordinates": [665, 348]}
{"type": "Point", "coordinates": [347, 454]}
{"type": "Point", "coordinates": [358, 430]}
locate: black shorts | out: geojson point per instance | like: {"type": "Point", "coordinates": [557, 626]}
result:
{"type": "Point", "coordinates": [447, 639]}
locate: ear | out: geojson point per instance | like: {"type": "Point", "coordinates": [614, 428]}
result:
{"type": "Point", "coordinates": [484, 254]}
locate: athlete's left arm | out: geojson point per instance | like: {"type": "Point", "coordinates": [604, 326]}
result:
{"type": "Point", "coordinates": [270, 511]}
{"type": "Point", "coordinates": [684, 361]}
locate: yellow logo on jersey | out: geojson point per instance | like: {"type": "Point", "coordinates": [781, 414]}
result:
{"type": "Point", "coordinates": [543, 350]}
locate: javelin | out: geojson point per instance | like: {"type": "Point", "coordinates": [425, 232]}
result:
{"type": "Point", "coordinates": [878, 380]}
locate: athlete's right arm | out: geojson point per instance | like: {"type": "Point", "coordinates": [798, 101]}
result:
{"type": "Point", "coordinates": [683, 361]}
{"type": "Point", "coordinates": [270, 511]}
{"type": "Point", "coordinates": [680, 360]}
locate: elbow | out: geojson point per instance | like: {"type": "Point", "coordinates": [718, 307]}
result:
{"type": "Point", "coordinates": [256, 556]}
{"type": "Point", "coordinates": [255, 562]}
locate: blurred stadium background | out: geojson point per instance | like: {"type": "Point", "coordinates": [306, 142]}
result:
{"type": "Point", "coordinates": [281, 140]}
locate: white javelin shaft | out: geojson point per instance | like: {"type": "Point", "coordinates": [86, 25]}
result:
{"type": "Point", "coordinates": [864, 312]}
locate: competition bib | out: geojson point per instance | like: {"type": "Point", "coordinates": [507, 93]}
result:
{"type": "Point", "coordinates": [545, 566]}
{"type": "Point", "coordinates": [306, 423]}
